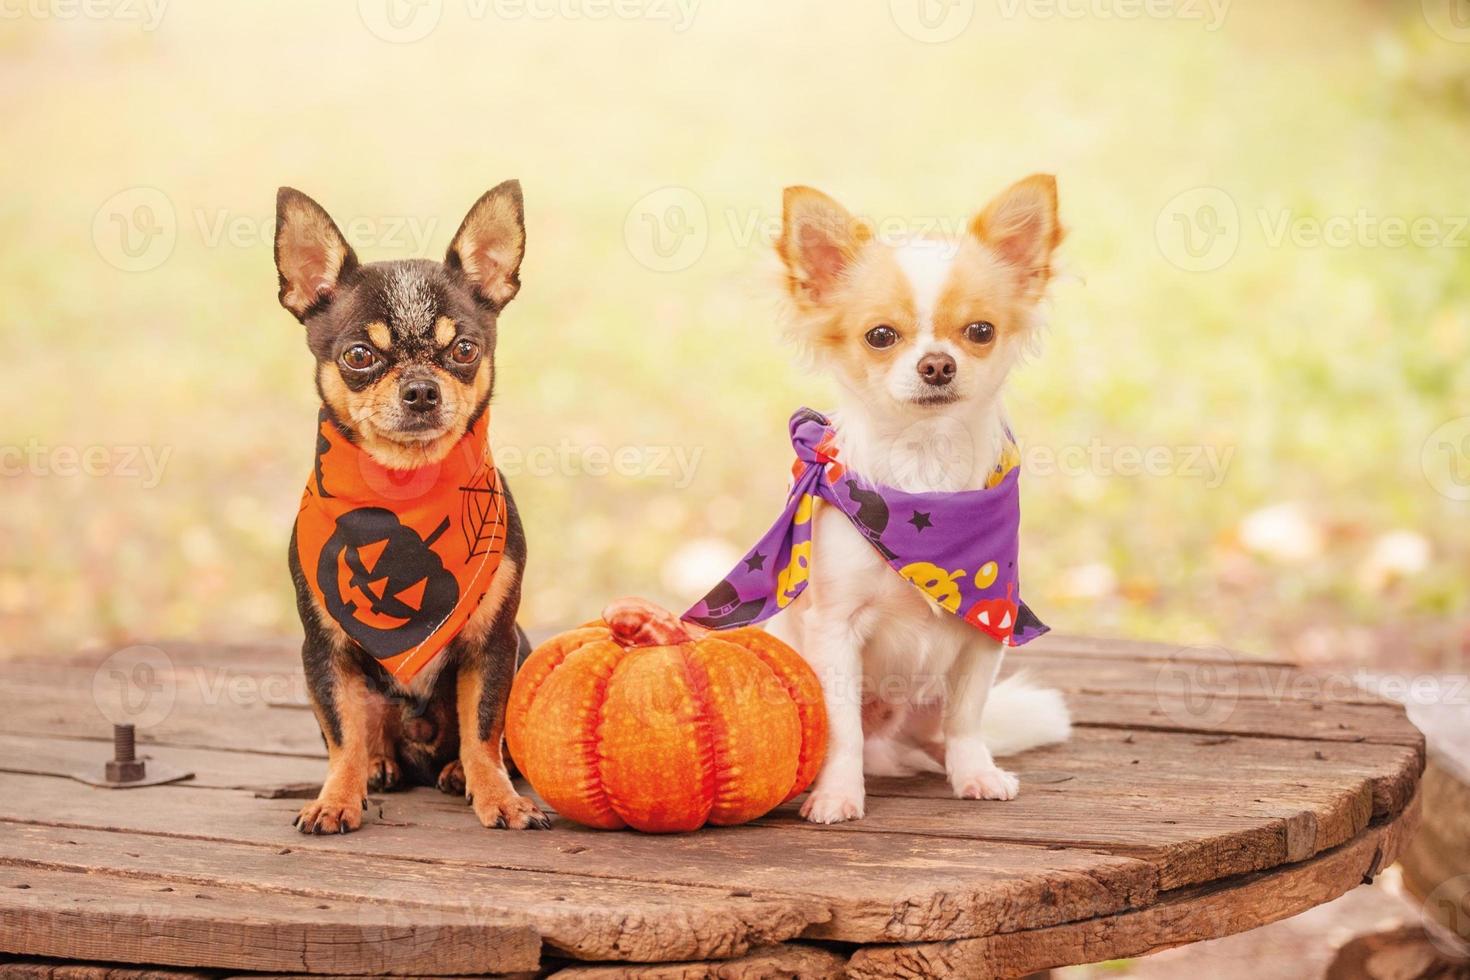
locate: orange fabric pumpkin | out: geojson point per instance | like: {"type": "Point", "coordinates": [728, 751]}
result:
{"type": "Point", "coordinates": [644, 721]}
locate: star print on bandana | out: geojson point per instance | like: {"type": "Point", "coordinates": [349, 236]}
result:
{"type": "Point", "coordinates": [965, 564]}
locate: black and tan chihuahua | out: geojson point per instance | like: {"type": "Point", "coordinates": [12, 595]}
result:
{"type": "Point", "coordinates": [405, 369]}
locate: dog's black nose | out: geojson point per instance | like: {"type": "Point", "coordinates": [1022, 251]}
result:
{"type": "Point", "coordinates": [419, 396]}
{"type": "Point", "coordinates": [937, 369]}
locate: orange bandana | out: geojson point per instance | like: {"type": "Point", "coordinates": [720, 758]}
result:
{"type": "Point", "coordinates": [401, 558]}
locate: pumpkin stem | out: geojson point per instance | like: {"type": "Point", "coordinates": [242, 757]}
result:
{"type": "Point", "coordinates": [639, 623]}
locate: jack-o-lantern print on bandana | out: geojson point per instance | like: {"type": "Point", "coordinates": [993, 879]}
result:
{"type": "Point", "coordinates": [960, 549]}
{"type": "Point", "coordinates": [400, 559]}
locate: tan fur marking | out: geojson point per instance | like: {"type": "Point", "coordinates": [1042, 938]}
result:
{"type": "Point", "coordinates": [484, 615]}
{"type": "Point", "coordinates": [364, 412]}
{"type": "Point", "coordinates": [339, 804]}
{"type": "Point", "coordinates": [980, 288]}
{"type": "Point", "coordinates": [380, 335]}
{"type": "Point", "coordinates": [444, 331]}
{"type": "Point", "coordinates": [487, 784]}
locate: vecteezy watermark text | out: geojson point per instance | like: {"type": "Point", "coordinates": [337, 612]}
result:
{"type": "Point", "coordinates": [142, 463]}
{"type": "Point", "coordinates": [409, 21]}
{"type": "Point", "coordinates": [1201, 229]}
{"type": "Point", "coordinates": [146, 13]}
{"type": "Point", "coordinates": [677, 464]}
{"type": "Point", "coordinates": [1210, 13]}
{"type": "Point", "coordinates": [1209, 464]}
{"type": "Point", "coordinates": [137, 228]}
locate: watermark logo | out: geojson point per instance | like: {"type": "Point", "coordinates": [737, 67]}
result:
{"type": "Point", "coordinates": [1446, 917]}
{"type": "Point", "coordinates": [1450, 19]}
{"type": "Point", "coordinates": [932, 21]}
{"type": "Point", "coordinates": [1446, 459]}
{"type": "Point", "coordinates": [937, 453]}
{"type": "Point", "coordinates": [135, 686]}
{"type": "Point", "coordinates": [400, 21]}
{"type": "Point", "coordinates": [667, 230]}
{"type": "Point", "coordinates": [135, 230]}
{"type": "Point", "coordinates": [1199, 693]}
{"type": "Point", "coordinates": [1199, 229]}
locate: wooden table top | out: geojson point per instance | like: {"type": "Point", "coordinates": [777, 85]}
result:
{"type": "Point", "coordinates": [1204, 793]}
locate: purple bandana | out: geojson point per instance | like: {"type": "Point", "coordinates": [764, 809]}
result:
{"type": "Point", "coordinates": [959, 548]}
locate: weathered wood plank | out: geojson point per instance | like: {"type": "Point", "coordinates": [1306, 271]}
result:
{"type": "Point", "coordinates": [1379, 722]}
{"type": "Point", "coordinates": [895, 887]}
{"type": "Point", "coordinates": [789, 962]}
{"type": "Point", "coordinates": [212, 768]}
{"type": "Point", "coordinates": [242, 709]}
{"type": "Point", "coordinates": [1191, 818]}
{"type": "Point", "coordinates": [1190, 840]}
{"type": "Point", "coordinates": [584, 917]}
{"type": "Point", "coordinates": [267, 655]}
{"type": "Point", "coordinates": [1120, 755]}
{"type": "Point", "coordinates": [1187, 765]}
{"type": "Point", "coordinates": [210, 707]}
{"type": "Point", "coordinates": [1205, 682]}
{"type": "Point", "coordinates": [37, 969]}
{"type": "Point", "coordinates": [1105, 757]}
{"type": "Point", "coordinates": [115, 919]}
{"type": "Point", "coordinates": [1192, 915]}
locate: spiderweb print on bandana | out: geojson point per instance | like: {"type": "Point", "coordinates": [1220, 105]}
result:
{"type": "Point", "coordinates": [481, 511]}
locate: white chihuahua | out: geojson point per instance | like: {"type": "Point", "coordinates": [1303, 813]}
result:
{"type": "Point", "coordinates": [921, 336]}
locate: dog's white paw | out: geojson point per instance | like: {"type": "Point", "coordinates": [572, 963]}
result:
{"type": "Point", "coordinates": [828, 807]}
{"type": "Point", "coordinates": [992, 783]}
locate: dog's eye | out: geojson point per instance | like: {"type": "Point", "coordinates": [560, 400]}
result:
{"type": "Point", "coordinates": [882, 336]}
{"type": "Point", "coordinates": [981, 332]}
{"type": "Point", "coordinates": [465, 352]}
{"type": "Point", "coordinates": [359, 357]}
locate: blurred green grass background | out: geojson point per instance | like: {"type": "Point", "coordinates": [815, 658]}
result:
{"type": "Point", "coordinates": [139, 295]}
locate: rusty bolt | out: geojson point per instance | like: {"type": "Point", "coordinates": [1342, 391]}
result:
{"type": "Point", "coordinates": [124, 766]}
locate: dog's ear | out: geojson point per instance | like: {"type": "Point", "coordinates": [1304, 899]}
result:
{"type": "Point", "coordinates": [819, 240]}
{"type": "Point", "coordinates": [1021, 226]}
{"type": "Point", "coordinates": [311, 254]}
{"type": "Point", "coordinates": [488, 248]}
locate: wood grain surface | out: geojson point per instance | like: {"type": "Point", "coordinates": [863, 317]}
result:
{"type": "Point", "coordinates": [1202, 793]}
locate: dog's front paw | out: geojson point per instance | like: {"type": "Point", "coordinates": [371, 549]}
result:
{"type": "Point", "coordinates": [451, 779]}
{"type": "Point", "coordinates": [509, 813]}
{"type": "Point", "coordinates": [383, 775]}
{"type": "Point", "coordinates": [991, 783]}
{"type": "Point", "coordinates": [330, 816]}
{"type": "Point", "coordinates": [825, 806]}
